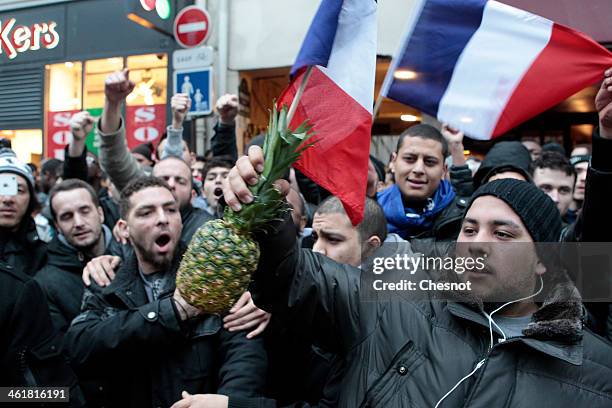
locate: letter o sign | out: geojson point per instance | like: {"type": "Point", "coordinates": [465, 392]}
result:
{"type": "Point", "coordinates": [146, 134]}
{"type": "Point", "coordinates": [62, 137]}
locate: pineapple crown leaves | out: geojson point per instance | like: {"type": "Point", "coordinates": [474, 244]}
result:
{"type": "Point", "coordinates": [282, 147]}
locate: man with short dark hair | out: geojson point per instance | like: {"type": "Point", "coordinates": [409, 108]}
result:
{"type": "Point", "coordinates": [139, 333]}
{"type": "Point", "coordinates": [214, 173]}
{"type": "Point", "coordinates": [174, 166]}
{"type": "Point", "coordinates": [197, 168]}
{"type": "Point", "coordinates": [337, 238]}
{"type": "Point", "coordinates": [468, 342]}
{"type": "Point", "coordinates": [50, 172]}
{"type": "Point", "coordinates": [421, 203]}
{"type": "Point", "coordinates": [533, 147]}
{"type": "Point", "coordinates": [581, 166]}
{"type": "Point", "coordinates": [553, 174]}
{"type": "Point", "coordinates": [82, 235]}
{"type": "Point", "coordinates": [20, 245]}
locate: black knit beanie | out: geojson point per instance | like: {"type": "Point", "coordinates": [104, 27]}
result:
{"type": "Point", "coordinates": [537, 211]}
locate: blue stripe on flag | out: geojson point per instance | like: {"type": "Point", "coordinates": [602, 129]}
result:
{"type": "Point", "coordinates": [441, 33]}
{"type": "Point", "coordinates": [317, 45]}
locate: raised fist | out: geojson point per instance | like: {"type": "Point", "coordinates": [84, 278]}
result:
{"type": "Point", "coordinates": [81, 124]}
{"type": "Point", "coordinates": [452, 136]}
{"type": "Point", "coordinates": [180, 103]}
{"type": "Point", "coordinates": [227, 107]}
{"type": "Point", "coordinates": [118, 86]}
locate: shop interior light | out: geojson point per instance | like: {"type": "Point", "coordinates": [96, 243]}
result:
{"type": "Point", "coordinates": [409, 118]}
{"type": "Point", "coordinates": [163, 9]}
{"type": "Point", "coordinates": [69, 64]}
{"type": "Point", "coordinates": [404, 74]}
{"type": "Point", "coordinates": [139, 20]}
{"type": "Point", "coordinates": [146, 89]}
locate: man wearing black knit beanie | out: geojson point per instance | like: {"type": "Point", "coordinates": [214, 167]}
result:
{"type": "Point", "coordinates": [515, 338]}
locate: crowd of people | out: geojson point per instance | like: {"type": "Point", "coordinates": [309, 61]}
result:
{"type": "Point", "coordinates": [90, 247]}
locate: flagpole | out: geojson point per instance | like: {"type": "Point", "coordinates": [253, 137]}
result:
{"type": "Point", "coordinates": [379, 101]}
{"type": "Point", "coordinates": [298, 94]}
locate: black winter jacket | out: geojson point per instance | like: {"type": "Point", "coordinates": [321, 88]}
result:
{"type": "Point", "coordinates": [594, 225]}
{"type": "Point", "coordinates": [61, 279]}
{"type": "Point", "coordinates": [147, 356]}
{"type": "Point", "coordinates": [411, 353]}
{"type": "Point", "coordinates": [23, 250]}
{"type": "Point", "coordinates": [30, 347]}
{"type": "Point", "coordinates": [193, 218]}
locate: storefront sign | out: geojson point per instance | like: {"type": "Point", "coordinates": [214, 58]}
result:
{"type": "Point", "coordinates": [58, 133]}
{"type": "Point", "coordinates": [145, 123]}
{"type": "Point", "coordinates": [32, 35]}
{"type": "Point", "coordinates": [16, 38]}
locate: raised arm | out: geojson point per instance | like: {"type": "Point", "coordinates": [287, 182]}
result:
{"type": "Point", "coordinates": [301, 287]}
{"type": "Point", "coordinates": [115, 157]}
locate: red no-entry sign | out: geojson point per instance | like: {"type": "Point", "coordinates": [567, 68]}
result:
{"type": "Point", "coordinates": [191, 26]}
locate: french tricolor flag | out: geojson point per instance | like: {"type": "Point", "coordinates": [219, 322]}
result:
{"type": "Point", "coordinates": [485, 67]}
{"type": "Point", "coordinates": [340, 48]}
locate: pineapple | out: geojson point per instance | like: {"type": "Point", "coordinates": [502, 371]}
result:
{"type": "Point", "coordinates": [216, 268]}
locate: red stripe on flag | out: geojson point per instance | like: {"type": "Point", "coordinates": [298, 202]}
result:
{"type": "Point", "coordinates": [570, 62]}
{"type": "Point", "coordinates": [339, 159]}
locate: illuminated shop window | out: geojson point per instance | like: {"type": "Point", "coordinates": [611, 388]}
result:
{"type": "Point", "coordinates": [150, 73]}
{"type": "Point", "coordinates": [96, 72]}
{"type": "Point", "coordinates": [63, 82]}
{"type": "Point", "coordinates": [27, 144]}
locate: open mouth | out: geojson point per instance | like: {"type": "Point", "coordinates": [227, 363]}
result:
{"type": "Point", "coordinates": [218, 192]}
{"type": "Point", "coordinates": [162, 242]}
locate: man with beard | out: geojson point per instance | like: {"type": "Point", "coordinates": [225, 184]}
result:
{"type": "Point", "coordinates": [446, 349]}
{"type": "Point", "coordinates": [139, 334]}
{"type": "Point", "coordinates": [122, 167]}
{"type": "Point", "coordinates": [82, 236]}
{"type": "Point", "coordinates": [20, 245]}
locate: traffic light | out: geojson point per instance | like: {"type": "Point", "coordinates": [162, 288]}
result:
{"type": "Point", "coordinates": [154, 14]}
{"type": "Point", "coordinates": [162, 7]}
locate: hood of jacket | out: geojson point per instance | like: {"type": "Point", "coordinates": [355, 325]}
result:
{"type": "Point", "coordinates": [504, 156]}
{"type": "Point", "coordinates": [66, 257]}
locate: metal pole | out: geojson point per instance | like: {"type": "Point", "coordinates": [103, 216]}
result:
{"type": "Point", "coordinates": [223, 46]}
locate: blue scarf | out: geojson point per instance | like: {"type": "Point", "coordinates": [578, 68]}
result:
{"type": "Point", "coordinates": [407, 222]}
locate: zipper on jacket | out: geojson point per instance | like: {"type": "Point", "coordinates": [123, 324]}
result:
{"type": "Point", "coordinates": [25, 367]}
{"type": "Point", "coordinates": [483, 368]}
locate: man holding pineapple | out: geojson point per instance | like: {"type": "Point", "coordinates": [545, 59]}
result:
{"type": "Point", "coordinates": [517, 339]}
{"type": "Point", "coordinates": [139, 334]}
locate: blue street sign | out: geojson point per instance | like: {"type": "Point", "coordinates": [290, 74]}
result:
{"type": "Point", "coordinates": [197, 83]}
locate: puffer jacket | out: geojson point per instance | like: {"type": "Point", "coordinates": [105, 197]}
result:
{"type": "Point", "coordinates": [410, 353]}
